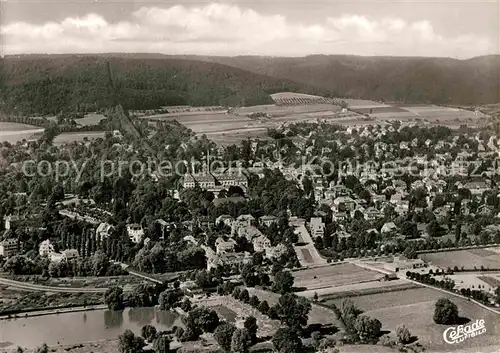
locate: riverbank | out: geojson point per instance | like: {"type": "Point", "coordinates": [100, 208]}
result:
{"type": "Point", "coordinates": [52, 311]}
{"type": "Point", "coordinates": [104, 346]}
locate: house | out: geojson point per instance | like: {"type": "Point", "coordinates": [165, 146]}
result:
{"type": "Point", "coordinates": [316, 227]}
{"type": "Point", "coordinates": [403, 264]}
{"type": "Point", "coordinates": [225, 259]}
{"type": "Point", "coordinates": [135, 232]}
{"type": "Point", "coordinates": [9, 248]}
{"type": "Point", "coordinates": [261, 243]}
{"type": "Point", "coordinates": [485, 210]}
{"type": "Point", "coordinates": [389, 227]}
{"type": "Point", "coordinates": [245, 220]}
{"type": "Point", "coordinates": [104, 230]}
{"type": "Point", "coordinates": [163, 226]}
{"type": "Point", "coordinates": [224, 246]}
{"type": "Point", "coordinates": [339, 216]}
{"type": "Point", "coordinates": [11, 221]}
{"type": "Point", "coordinates": [46, 248]}
{"type": "Point", "coordinates": [70, 254]}
{"type": "Point", "coordinates": [343, 204]}
{"type": "Point", "coordinates": [371, 214]}
{"type": "Point", "coordinates": [477, 187]}
{"type": "Point", "coordinates": [226, 219]}
{"type": "Point", "coordinates": [267, 220]}
{"type": "Point", "coordinates": [342, 234]}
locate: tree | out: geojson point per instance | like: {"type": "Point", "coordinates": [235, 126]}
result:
{"type": "Point", "coordinates": [254, 301]}
{"type": "Point", "coordinates": [367, 328]}
{"type": "Point", "coordinates": [286, 340]}
{"type": "Point", "coordinates": [244, 296]}
{"type": "Point", "coordinates": [130, 343]}
{"type": "Point", "coordinates": [293, 311]}
{"type": "Point", "coordinates": [403, 334]}
{"type": "Point", "coordinates": [148, 332]}
{"type": "Point", "coordinates": [161, 344]}
{"type": "Point", "coordinates": [204, 318]}
{"type": "Point", "coordinates": [445, 312]}
{"type": "Point", "coordinates": [497, 293]}
{"type": "Point", "coordinates": [251, 325]}
{"type": "Point", "coordinates": [114, 298]}
{"type": "Point", "coordinates": [43, 349]}
{"type": "Point", "coordinates": [223, 334]}
{"type": "Point", "coordinates": [241, 341]}
{"type": "Point", "coordinates": [283, 282]}
{"type": "Point", "coordinates": [349, 312]}
{"type": "Point", "coordinates": [264, 307]}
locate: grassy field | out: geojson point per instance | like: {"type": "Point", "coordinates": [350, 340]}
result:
{"type": "Point", "coordinates": [331, 276]}
{"type": "Point", "coordinates": [90, 119]}
{"type": "Point", "coordinates": [415, 308]}
{"type": "Point", "coordinates": [466, 258]}
{"type": "Point", "coordinates": [14, 132]}
{"type": "Point", "coordinates": [68, 137]}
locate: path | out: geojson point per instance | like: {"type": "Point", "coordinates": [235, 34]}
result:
{"type": "Point", "coordinates": [50, 289]}
{"type": "Point", "coordinates": [307, 253]}
{"type": "Point", "coordinates": [136, 273]}
{"type": "Point", "coordinates": [428, 286]}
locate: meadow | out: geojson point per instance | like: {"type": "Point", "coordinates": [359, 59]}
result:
{"type": "Point", "coordinates": [68, 137]}
{"type": "Point", "coordinates": [14, 132]}
{"type": "Point", "coordinates": [333, 276]}
{"type": "Point", "coordinates": [469, 259]}
{"type": "Point", "coordinates": [415, 307]}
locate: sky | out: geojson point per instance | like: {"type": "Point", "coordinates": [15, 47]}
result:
{"type": "Point", "coordinates": [458, 29]}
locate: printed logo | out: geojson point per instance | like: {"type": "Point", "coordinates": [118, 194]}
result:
{"type": "Point", "coordinates": [457, 334]}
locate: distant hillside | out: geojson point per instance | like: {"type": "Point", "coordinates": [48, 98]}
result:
{"type": "Point", "coordinates": [403, 79]}
{"type": "Point", "coordinates": [48, 84]}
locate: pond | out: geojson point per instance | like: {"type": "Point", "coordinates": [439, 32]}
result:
{"type": "Point", "coordinates": [79, 327]}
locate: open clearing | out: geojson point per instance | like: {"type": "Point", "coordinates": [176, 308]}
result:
{"type": "Point", "coordinates": [14, 132]}
{"type": "Point", "coordinates": [68, 137]}
{"type": "Point", "coordinates": [415, 307]}
{"type": "Point", "coordinates": [90, 119]}
{"type": "Point", "coordinates": [467, 258]}
{"type": "Point", "coordinates": [333, 276]}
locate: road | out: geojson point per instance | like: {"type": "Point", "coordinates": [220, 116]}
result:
{"type": "Point", "coordinates": [41, 288]}
{"type": "Point", "coordinates": [307, 253]}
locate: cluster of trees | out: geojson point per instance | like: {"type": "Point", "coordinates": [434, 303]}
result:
{"type": "Point", "coordinates": [427, 278]}
{"type": "Point", "coordinates": [359, 328]}
{"type": "Point", "coordinates": [445, 312]}
{"type": "Point", "coordinates": [128, 342]}
{"type": "Point", "coordinates": [146, 83]}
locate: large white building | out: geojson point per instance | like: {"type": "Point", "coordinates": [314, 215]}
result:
{"type": "Point", "coordinates": [317, 227]}
{"type": "Point", "coordinates": [9, 247]}
{"type": "Point", "coordinates": [135, 232]}
{"type": "Point", "coordinates": [46, 248]}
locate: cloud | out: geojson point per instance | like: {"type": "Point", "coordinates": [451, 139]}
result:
{"type": "Point", "coordinates": [223, 29]}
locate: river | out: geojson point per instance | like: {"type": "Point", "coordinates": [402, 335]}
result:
{"type": "Point", "coordinates": [78, 327]}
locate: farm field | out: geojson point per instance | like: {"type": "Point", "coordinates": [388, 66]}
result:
{"type": "Point", "coordinates": [467, 258]}
{"type": "Point", "coordinates": [415, 308]}
{"type": "Point", "coordinates": [68, 137]}
{"type": "Point", "coordinates": [357, 289]}
{"type": "Point", "coordinates": [279, 111]}
{"type": "Point", "coordinates": [14, 132]}
{"type": "Point", "coordinates": [333, 276]}
{"type": "Point", "coordinates": [90, 119]}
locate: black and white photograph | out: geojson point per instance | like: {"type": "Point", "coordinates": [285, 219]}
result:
{"type": "Point", "coordinates": [230, 176]}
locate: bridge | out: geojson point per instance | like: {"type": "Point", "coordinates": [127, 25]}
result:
{"type": "Point", "coordinates": [136, 273]}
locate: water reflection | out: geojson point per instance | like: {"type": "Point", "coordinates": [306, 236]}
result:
{"type": "Point", "coordinates": [113, 319]}
{"type": "Point", "coordinates": [74, 328]}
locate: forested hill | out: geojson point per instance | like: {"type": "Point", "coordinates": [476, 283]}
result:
{"type": "Point", "coordinates": [48, 84]}
{"type": "Point", "coordinates": [404, 79]}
